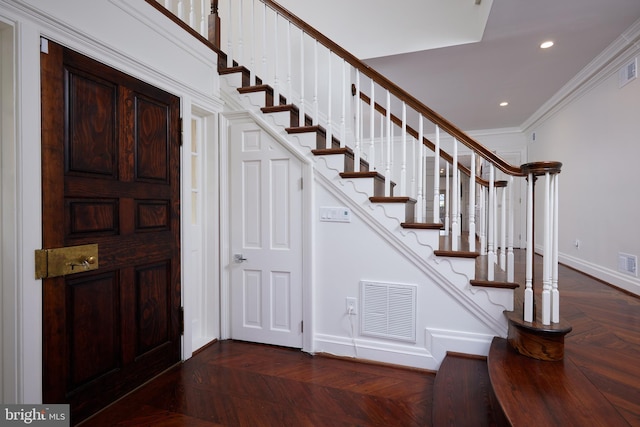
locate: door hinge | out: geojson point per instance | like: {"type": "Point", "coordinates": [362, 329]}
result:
{"type": "Point", "coordinates": [181, 320]}
{"type": "Point", "coordinates": [181, 131]}
{"type": "Point", "coordinates": [302, 326]}
{"type": "Point", "coordinates": [44, 45]}
{"type": "Point", "coordinates": [301, 183]}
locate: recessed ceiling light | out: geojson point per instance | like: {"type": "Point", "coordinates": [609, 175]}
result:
{"type": "Point", "coordinates": [546, 45]}
{"type": "Point", "coordinates": [504, 103]}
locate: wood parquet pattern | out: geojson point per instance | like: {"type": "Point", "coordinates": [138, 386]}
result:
{"type": "Point", "coordinates": [233, 383]}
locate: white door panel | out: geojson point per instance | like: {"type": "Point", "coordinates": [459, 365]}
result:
{"type": "Point", "coordinates": [266, 239]}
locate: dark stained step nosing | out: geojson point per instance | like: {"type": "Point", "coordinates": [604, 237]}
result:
{"type": "Point", "coordinates": [422, 225]}
{"type": "Point", "coordinates": [457, 254]}
{"type": "Point", "coordinates": [392, 199]}
{"type": "Point", "coordinates": [494, 284]}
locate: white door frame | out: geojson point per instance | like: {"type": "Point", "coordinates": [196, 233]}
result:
{"type": "Point", "coordinates": [228, 119]}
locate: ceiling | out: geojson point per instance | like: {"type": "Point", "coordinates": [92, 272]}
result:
{"type": "Point", "coordinates": [463, 59]}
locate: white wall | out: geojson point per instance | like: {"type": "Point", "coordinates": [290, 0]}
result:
{"type": "Point", "coordinates": [347, 253]}
{"type": "Point", "coordinates": [129, 36]}
{"type": "Point", "coordinates": [597, 138]}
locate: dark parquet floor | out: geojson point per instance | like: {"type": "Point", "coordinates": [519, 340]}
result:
{"type": "Point", "coordinates": [233, 383]}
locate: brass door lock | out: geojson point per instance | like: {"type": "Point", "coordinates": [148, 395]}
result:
{"type": "Point", "coordinates": [63, 261]}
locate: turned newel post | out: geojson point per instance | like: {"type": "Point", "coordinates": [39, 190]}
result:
{"type": "Point", "coordinates": [214, 24]}
{"type": "Point", "coordinates": [550, 296]}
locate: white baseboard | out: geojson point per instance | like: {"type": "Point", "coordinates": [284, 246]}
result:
{"type": "Point", "coordinates": [377, 351]}
{"type": "Point", "coordinates": [615, 278]}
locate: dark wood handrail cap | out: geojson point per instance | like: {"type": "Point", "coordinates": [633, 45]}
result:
{"type": "Point", "coordinates": [541, 168]}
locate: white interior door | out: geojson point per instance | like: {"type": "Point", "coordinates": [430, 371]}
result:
{"type": "Point", "coordinates": [266, 239]}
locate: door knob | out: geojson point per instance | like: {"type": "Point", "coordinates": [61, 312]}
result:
{"type": "Point", "coordinates": [239, 258]}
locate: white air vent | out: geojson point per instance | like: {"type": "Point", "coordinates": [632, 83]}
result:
{"type": "Point", "coordinates": [388, 311]}
{"type": "Point", "coordinates": [628, 72]}
{"type": "Point", "coordinates": [628, 264]}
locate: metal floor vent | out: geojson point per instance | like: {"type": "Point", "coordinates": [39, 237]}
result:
{"type": "Point", "coordinates": [388, 311]}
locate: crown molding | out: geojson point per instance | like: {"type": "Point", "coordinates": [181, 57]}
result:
{"type": "Point", "coordinates": [604, 65]}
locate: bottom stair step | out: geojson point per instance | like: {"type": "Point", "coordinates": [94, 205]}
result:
{"type": "Point", "coordinates": [463, 396]}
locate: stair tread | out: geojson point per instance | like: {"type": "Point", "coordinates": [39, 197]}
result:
{"type": "Point", "coordinates": [544, 393]}
{"type": "Point", "coordinates": [422, 225]}
{"type": "Point", "coordinates": [303, 129]}
{"type": "Point", "coordinates": [279, 108]}
{"type": "Point", "coordinates": [392, 199]}
{"type": "Point", "coordinates": [329, 151]}
{"type": "Point", "coordinates": [463, 396]}
{"type": "Point", "coordinates": [361, 174]}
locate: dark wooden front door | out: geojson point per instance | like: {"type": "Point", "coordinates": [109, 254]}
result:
{"type": "Point", "coordinates": [110, 175]}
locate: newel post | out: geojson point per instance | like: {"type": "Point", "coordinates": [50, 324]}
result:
{"type": "Point", "coordinates": [550, 302]}
{"type": "Point", "coordinates": [542, 338]}
{"type": "Point", "coordinates": [214, 25]}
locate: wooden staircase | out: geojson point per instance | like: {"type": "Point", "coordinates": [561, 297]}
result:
{"type": "Point", "coordinates": [464, 393]}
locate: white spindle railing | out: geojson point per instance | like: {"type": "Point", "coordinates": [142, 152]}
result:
{"type": "Point", "coordinates": [319, 77]}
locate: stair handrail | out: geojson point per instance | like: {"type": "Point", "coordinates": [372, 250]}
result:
{"type": "Point", "coordinates": [531, 171]}
{"type": "Point", "coordinates": [400, 93]}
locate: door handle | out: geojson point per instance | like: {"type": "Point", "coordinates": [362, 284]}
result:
{"type": "Point", "coordinates": [239, 258]}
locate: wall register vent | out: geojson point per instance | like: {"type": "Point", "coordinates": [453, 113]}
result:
{"type": "Point", "coordinates": [628, 72]}
{"type": "Point", "coordinates": [388, 311]}
{"type": "Point", "coordinates": [628, 264]}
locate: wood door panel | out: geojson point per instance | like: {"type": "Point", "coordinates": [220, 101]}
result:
{"type": "Point", "coordinates": [153, 292]}
{"type": "Point", "coordinates": [90, 217]}
{"type": "Point", "coordinates": [111, 151]}
{"type": "Point", "coordinates": [94, 318]}
{"type": "Point", "coordinates": [152, 215]}
{"type": "Point", "coordinates": [152, 141]}
{"type": "Point", "coordinates": [91, 132]}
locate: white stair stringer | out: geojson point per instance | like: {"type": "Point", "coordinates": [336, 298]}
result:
{"type": "Point", "coordinates": [454, 284]}
{"type": "Point", "coordinates": [451, 274]}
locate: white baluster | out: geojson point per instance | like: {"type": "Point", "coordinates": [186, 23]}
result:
{"type": "Point", "coordinates": [204, 11]}
{"type": "Point", "coordinates": [253, 39]}
{"type": "Point", "coordinates": [168, 4]}
{"type": "Point", "coordinates": [265, 58]}
{"type": "Point", "coordinates": [387, 170]}
{"type": "Point", "coordinates": [192, 15]}
{"type": "Point", "coordinates": [472, 204]}
{"type": "Point", "coordinates": [276, 61]}
{"type": "Point", "coordinates": [503, 230]}
{"type": "Point", "coordinates": [436, 178]}
{"type": "Point", "coordinates": [302, 107]}
{"type": "Point", "coordinates": [447, 204]}
{"type": "Point", "coordinates": [329, 99]}
{"type": "Point", "coordinates": [420, 173]}
{"type": "Point", "coordinates": [510, 233]}
{"type": "Point", "coordinates": [455, 204]}
{"type": "Point", "coordinates": [358, 124]}
{"type": "Point", "coordinates": [403, 161]}
{"type": "Point", "coordinates": [555, 293]}
{"type": "Point", "coordinates": [289, 77]}
{"type": "Point", "coordinates": [316, 111]}
{"type": "Point", "coordinates": [483, 221]}
{"type": "Point", "coordinates": [372, 126]}
{"type": "Point", "coordinates": [548, 256]}
{"type": "Point", "coordinates": [343, 114]}
{"type": "Point", "coordinates": [382, 139]}
{"type": "Point", "coordinates": [230, 35]}
{"type": "Point", "coordinates": [413, 184]}
{"type": "Point", "coordinates": [528, 291]}
{"type": "Point", "coordinates": [240, 49]}
{"type": "Point", "coordinates": [181, 10]}
{"type": "Point", "coordinates": [491, 257]}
